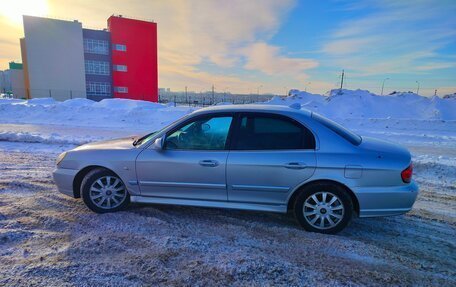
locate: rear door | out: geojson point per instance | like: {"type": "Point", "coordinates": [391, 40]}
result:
{"type": "Point", "coordinates": [270, 155]}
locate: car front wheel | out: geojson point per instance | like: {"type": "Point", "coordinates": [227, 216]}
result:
{"type": "Point", "coordinates": [323, 208]}
{"type": "Point", "coordinates": [103, 191]}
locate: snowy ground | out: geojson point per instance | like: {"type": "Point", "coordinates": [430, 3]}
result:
{"type": "Point", "coordinates": [49, 239]}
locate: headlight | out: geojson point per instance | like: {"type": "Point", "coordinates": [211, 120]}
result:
{"type": "Point", "coordinates": [61, 157]}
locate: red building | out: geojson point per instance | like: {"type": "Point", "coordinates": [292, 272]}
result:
{"type": "Point", "coordinates": [134, 58]}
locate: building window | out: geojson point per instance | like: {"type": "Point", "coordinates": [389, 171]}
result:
{"type": "Point", "coordinates": [95, 46]}
{"type": "Point", "coordinates": [121, 90]}
{"type": "Point", "coordinates": [98, 89]}
{"type": "Point", "coordinates": [97, 68]}
{"type": "Point", "coordinates": [119, 68]}
{"type": "Point", "coordinates": [119, 47]}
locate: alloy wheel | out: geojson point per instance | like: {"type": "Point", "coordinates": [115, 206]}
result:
{"type": "Point", "coordinates": [107, 192]}
{"type": "Point", "coordinates": [323, 210]}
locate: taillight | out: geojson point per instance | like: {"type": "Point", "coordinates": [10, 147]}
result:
{"type": "Point", "coordinates": [406, 174]}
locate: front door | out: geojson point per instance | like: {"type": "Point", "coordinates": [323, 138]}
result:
{"type": "Point", "coordinates": [270, 156]}
{"type": "Point", "coordinates": [192, 163]}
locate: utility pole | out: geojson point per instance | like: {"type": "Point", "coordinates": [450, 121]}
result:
{"type": "Point", "coordinates": [342, 80]}
{"type": "Point", "coordinates": [213, 94]}
{"type": "Point", "coordinates": [258, 89]}
{"type": "Point", "coordinates": [435, 93]}
{"type": "Point", "coordinates": [383, 85]}
{"type": "Point", "coordinates": [418, 88]}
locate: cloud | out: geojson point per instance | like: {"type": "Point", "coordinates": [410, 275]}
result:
{"type": "Point", "coordinates": [191, 33]}
{"type": "Point", "coordinates": [436, 66]}
{"type": "Point", "coordinates": [9, 43]}
{"type": "Point", "coordinates": [268, 59]}
{"type": "Point", "coordinates": [399, 36]}
{"type": "Point", "coordinates": [347, 46]}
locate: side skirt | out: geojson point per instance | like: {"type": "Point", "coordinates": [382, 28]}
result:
{"type": "Point", "coordinates": [206, 203]}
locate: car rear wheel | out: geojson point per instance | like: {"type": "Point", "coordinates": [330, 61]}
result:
{"type": "Point", "coordinates": [103, 191]}
{"type": "Point", "coordinates": [323, 208]}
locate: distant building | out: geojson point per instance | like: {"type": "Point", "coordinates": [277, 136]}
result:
{"type": "Point", "coordinates": [98, 63]}
{"type": "Point", "coordinates": [134, 58]}
{"type": "Point", "coordinates": [5, 81]}
{"type": "Point", "coordinates": [12, 80]}
{"type": "Point", "coordinates": [16, 75]}
{"type": "Point", "coordinates": [53, 58]}
{"type": "Point", "coordinates": [63, 60]}
{"type": "Point", "coordinates": [164, 90]}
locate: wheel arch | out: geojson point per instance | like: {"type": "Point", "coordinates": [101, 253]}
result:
{"type": "Point", "coordinates": [325, 181]}
{"type": "Point", "coordinates": [77, 181]}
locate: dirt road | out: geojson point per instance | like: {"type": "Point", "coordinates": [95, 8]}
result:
{"type": "Point", "coordinates": [48, 239]}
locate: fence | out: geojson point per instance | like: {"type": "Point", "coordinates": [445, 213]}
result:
{"type": "Point", "coordinates": [56, 94]}
{"type": "Point", "coordinates": [208, 99]}
{"type": "Point", "coordinates": [178, 98]}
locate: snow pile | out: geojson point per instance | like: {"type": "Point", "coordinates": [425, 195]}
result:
{"type": "Point", "coordinates": [116, 113]}
{"type": "Point", "coordinates": [338, 104]}
{"type": "Point", "coordinates": [53, 138]}
{"type": "Point", "coordinates": [404, 117]}
{"type": "Point", "coordinates": [41, 102]}
{"type": "Point", "coordinates": [7, 101]}
{"type": "Point", "coordinates": [80, 102]}
{"type": "Point", "coordinates": [125, 104]}
{"type": "Point", "coordinates": [342, 104]}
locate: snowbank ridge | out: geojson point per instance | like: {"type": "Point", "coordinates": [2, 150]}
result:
{"type": "Point", "coordinates": [341, 104]}
{"type": "Point", "coordinates": [119, 113]}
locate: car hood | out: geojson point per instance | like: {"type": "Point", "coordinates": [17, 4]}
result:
{"type": "Point", "coordinates": [122, 143]}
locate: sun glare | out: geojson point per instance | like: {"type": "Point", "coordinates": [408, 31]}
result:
{"type": "Point", "coordinates": [13, 10]}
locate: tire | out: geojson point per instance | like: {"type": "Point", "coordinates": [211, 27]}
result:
{"type": "Point", "coordinates": [312, 207]}
{"type": "Point", "coordinates": [111, 190]}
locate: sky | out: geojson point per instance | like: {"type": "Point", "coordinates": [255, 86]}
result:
{"type": "Point", "coordinates": [269, 46]}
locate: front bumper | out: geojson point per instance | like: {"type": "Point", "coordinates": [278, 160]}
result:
{"type": "Point", "coordinates": [64, 178]}
{"type": "Point", "coordinates": [386, 201]}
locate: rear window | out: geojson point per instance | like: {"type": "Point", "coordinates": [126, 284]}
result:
{"type": "Point", "coordinates": [338, 129]}
{"type": "Point", "coordinates": [266, 132]}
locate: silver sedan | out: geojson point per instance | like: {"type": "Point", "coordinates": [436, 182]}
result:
{"type": "Point", "coordinates": [251, 157]}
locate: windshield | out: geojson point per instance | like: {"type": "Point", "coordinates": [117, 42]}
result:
{"type": "Point", "coordinates": [145, 139]}
{"type": "Point", "coordinates": [338, 129]}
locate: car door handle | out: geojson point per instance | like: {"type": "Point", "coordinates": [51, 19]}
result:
{"type": "Point", "coordinates": [295, 165]}
{"type": "Point", "coordinates": [209, 163]}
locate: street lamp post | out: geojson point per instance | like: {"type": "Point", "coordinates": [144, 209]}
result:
{"type": "Point", "coordinates": [418, 88]}
{"type": "Point", "coordinates": [383, 85]}
{"type": "Point", "coordinates": [258, 89]}
{"type": "Point", "coordinates": [305, 88]}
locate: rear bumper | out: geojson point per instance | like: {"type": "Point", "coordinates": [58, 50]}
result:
{"type": "Point", "coordinates": [64, 178]}
{"type": "Point", "coordinates": [386, 201]}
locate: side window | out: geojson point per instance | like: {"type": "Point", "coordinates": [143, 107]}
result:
{"type": "Point", "coordinates": [258, 132]}
{"type": "Point", "coordinates": [202, 134]}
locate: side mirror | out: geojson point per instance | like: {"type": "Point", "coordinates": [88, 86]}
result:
{"type": "Point", "coordinates": [158, 143]}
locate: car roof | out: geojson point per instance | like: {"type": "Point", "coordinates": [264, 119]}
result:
{"type": "Point", "coordinates": [255, 108]}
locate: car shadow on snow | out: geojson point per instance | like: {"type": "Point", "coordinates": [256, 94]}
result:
{"type": "Point", "coordinates": [214, 215]}
{"type": "Point", "coordinates": [202, 215]}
